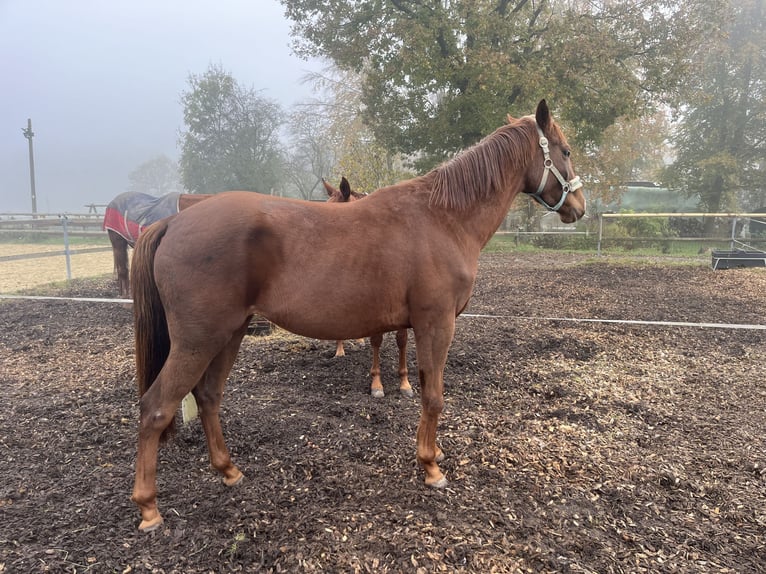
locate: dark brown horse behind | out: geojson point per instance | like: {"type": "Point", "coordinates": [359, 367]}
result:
{"type": "Point", "coordinates": [344, 194]}
{"type": "Point", "coordinates": [196, 286]}
{"type": "Point", "coordinates": [128, 214]}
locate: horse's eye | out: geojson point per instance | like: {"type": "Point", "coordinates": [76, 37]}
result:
{"type": "Point", "coordinates": [566, 153]}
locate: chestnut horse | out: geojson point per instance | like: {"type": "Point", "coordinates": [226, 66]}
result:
{"type": "Point", "coordinates": [200, 275]}
{"type": "Point", "coordinates": [344, 194]}
{"type": "Point", "coordinates": [126, 217]}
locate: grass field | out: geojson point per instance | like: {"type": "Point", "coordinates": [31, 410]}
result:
{"type": "Point", "coordinates": [21, 274]}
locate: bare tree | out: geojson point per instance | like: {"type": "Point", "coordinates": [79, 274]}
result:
{"type": "Point", "coordinates": [157, 176]}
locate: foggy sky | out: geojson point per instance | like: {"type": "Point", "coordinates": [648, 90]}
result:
{"type": "Point", "coordinates": [102, 80]}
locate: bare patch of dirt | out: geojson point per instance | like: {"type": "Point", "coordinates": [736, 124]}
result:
{"type": "Point", "coordinates": [571, 447]}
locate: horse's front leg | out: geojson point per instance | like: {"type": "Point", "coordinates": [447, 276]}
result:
{"type": "Point", "coordinates": [432, 345]}
{"type": "Point", "coordinates": [208, 394]}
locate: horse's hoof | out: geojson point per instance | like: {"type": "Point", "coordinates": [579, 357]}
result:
{"type": "Point", "coordinates": [377, 393]}
{"type": "Point", "coordinates": [408, 393]}
{"type": "Point", "coordinates": [150, 525]}
{"type": "Point", "coordinates": [439, 484]}
{"type": "Point", "coordinates": [234, 480]}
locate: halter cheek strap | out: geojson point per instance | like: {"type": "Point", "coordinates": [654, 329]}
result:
{"type": "Point", "coordinates": [566, 186]}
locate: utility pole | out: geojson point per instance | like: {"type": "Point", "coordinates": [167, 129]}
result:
{"type": "Point", "coordinates": [29, 135]}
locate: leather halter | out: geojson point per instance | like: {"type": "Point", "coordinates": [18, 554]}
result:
{"type": "Point", "coordinates": [566, 186]}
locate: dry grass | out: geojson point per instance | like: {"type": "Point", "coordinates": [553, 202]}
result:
{"type": "Point", "coordinates": [28, 273]}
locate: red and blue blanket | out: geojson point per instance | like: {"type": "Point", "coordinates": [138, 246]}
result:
{"type": "Point", "coordinates": [130, 212]}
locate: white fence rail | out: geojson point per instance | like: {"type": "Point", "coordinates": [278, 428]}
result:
{"type": "Point", "coordinates": [22, 225]}
{"type": "Point", "coordinates": [75, 224]}
{"type": "Point", "coordinates": [64, 225]}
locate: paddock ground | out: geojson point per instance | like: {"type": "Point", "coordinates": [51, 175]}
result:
{"type": "Point", "coordinates": [571, 447]}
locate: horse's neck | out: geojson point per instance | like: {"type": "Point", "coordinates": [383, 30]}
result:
{"type": "Point", "coordinates": [484, 218]}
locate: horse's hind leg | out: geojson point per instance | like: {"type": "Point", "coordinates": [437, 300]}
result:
{"type": "Point", "coordinates": [404, 384]}
{"type": "Point", "coordinates": [208, 394]}
{"type": "Point", "coordinates": [158, 407]}
{"type": "Point", "coordinates": [339, 349]}
{"type": "Point", "coordinates": [376, 387]}
{"type": "Point", "coordinates": [120, 254]}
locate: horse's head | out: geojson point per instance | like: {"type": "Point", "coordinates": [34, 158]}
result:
{"type": "Point", "coordinates": [562, 193]}
{"type": "Point", "coordinates": [342, 195]}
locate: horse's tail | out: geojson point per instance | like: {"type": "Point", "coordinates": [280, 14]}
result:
{"type": "Point", "coordinates": [150, 323]}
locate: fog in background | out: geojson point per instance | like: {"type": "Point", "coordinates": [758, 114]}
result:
{"type": "Point", "coordinates": [102, 82]}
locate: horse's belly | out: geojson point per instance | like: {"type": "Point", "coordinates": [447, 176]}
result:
{"type": "Point", "coordinates": [318, 318]}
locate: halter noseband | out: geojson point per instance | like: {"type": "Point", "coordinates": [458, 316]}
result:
{"type": "Point", "coordinates": [566, 186]}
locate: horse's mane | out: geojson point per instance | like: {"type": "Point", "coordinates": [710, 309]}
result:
{"type": "Point", "coordinates": [485, 168]}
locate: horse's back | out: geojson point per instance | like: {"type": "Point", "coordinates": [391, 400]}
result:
{"type": "Point", "coordinates": [128, 197]}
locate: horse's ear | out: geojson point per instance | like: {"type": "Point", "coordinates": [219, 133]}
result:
{"type": "Point", "coordinates": [345, 188]}
{"type": "Point", "coordinates": [543, 115]}
{"type": "Point", "coordinates": [329, 189]}
{"type": "Point", "coordinates": [509, 118]}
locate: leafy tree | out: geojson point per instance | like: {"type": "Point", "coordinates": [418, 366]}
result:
{"type": "Point", "coordinates": [438, 75]}
{"type": "Point", "coordinates": [721, 137]}
{"type": "Point", "coordinates": [157, 176]}
{"type": "Point", "coordinates": [630, 150]}
{"type": "Point", "coordinates": [232, 136]}
{"type": "Point", "coordinates": [366, 163]}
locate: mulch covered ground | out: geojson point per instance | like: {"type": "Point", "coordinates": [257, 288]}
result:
{"type": "Point", "coordinates": [571, 447]}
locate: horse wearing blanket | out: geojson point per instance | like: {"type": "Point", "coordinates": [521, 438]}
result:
{"type": "Point", "coordinates": [128, 214]}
